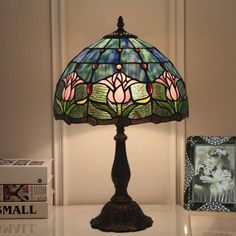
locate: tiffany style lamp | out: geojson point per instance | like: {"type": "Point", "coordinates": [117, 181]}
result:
{"type": "Point", "coordinates": [120, 80]}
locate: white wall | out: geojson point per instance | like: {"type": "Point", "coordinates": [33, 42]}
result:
{"type": "Point", "coordinates": [210, 56]}
{"type": "Point", "coordinates": [210, 66]}
{"type": "Point", "coordinates": [25, 88]}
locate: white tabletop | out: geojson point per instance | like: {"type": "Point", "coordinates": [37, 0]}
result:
{"type": "Point", "coordinates": [168, 221]}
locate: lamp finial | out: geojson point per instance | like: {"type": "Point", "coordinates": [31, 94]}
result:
{"type": "Point", "coordinates": [120, 25]}
{"type": "Point", "coordinates": [120, 32]}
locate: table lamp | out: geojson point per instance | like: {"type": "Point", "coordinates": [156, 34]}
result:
{"type": "Point", "coordinates": [120, 80]}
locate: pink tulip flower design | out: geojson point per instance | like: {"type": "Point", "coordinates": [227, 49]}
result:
{"type": "Point", "coordinates": [170, 82]}
{"type": "Point", "coordinates": [119, 87]}
{"type": "Point", "coordinates": [70, 82]}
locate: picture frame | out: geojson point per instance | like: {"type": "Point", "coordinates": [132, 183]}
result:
{"type": "Point", "coordinates": [210, 168]}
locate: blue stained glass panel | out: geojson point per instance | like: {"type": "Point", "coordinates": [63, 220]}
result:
{"type": "Point", "coordinates": [154, 71]}
{"type": "Point", "coordinates": [85, 71]}
{"type": "Point", "coordinates": [125, 43]}
{"type": "Point", "coordinates": [147, 56]}
{"type": "Point", "coordinates": [129, 55]}
{"type": "Point", "coordinates": [92, 56]}
{"type": "Point", "coordinates": [109, 56]}
{"type": "Point", "coordinates": [169, 67]}
{"type": "Point", "coordinates": [159, 55]}
{"type": "Point", "coordinates": [136, 43]}
{"type": "Point", "coordinates": [102, 44]}
{"type": "Point", "coordinates": [70, 68]}
{"type": "Point", "coordinates": [95, 44]}
{"type": "Point", "coordinates": [80, 56]}
{"type": "Point", "coordinates": [114, 43]}
{"type": "Point", "coordinates": [103, 71]}
{"type": "Point", "coordinates": [135, 71]}
{"type": "Point", "coordinates": [145, 44]}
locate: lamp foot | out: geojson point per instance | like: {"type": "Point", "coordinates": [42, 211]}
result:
{"type": "Point", "coordinates": [121, 217]}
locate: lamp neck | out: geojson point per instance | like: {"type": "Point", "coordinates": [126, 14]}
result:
{"type": "Point", "coordinates": [120, 128]}
{"type": "Point", "coordinates": [120, 170]}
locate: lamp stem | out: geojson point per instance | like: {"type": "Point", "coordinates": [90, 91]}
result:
{"type": "Point", "coordinates": [121, 214]}
{"type": "Point", "coordinates": [120, 171]}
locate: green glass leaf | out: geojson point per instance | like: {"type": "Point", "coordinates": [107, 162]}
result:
{"type": "Point", "coordinates": [162, 105]}
{"type": "Point", "coordinates": [177, 105]}
{"type": "Point", "coordinates": [181, 88]}
{"type": "Point", "coordinates": [159, 91]}
{"type": "Point", "coordinates": [99, 93]}
{"type": "Point", "coordinates": [79, 111]}
{"type": "Point", "coordinates": [80, 92]}
{"type": "Point", "coordinates": [128, 109]}
{"type": "Point", "coordinates": [104, 107]}
{"type": "Point", "coordinates": [70, 68]}
{"type": "Point", "coordinates": [67, 106]}
{"type": "Point", "coordinates": [113, 106]}
{"type": "Point", "coordinates": [125, 105]}
{"type": "Point", "coordinates": [58, 106]}
{"type": "Point", "coordinates": [59, 89]}
{"type": "Point", "coordinates": [64, 105]}
{"type": "Point", "coordinates": [141, 111]}
{"type": "Point", "coordinates": [160, 111]}
{"type": "Point", "coordinates": [184, 107]}
{"type": "Point", "coordinates": [139, 91]}
{"type": "Point", "coordinates": [70, 108]}
{"type": "Point", "coordinates": [99, 111]}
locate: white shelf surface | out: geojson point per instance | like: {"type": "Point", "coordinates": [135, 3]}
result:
{"type": "Point", "coordinates": [168, 221]}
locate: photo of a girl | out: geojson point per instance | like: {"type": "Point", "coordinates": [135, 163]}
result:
{"type": "Point", "coordinates": [214, 178]}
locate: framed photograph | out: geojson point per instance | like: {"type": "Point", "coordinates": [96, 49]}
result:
{"type": "Point", "coordinates": [210, 167]}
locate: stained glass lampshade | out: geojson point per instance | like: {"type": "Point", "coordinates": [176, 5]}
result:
{"type": "Point", "coordinates": [120, 80]}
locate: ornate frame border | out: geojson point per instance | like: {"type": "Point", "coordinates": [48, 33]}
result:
{"type": "Point", "coordinates": [189, 204]}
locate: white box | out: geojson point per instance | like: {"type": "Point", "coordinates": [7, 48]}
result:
{"type": "Point", "coordinates": [26, 210]}
{"type": "Point", "coordinates": [25, 171]}
{"type": "Point", "coordinates": [26, 192]}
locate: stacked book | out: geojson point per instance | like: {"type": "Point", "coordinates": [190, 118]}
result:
{"type": "Point", "coordinates": [26, 188]}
